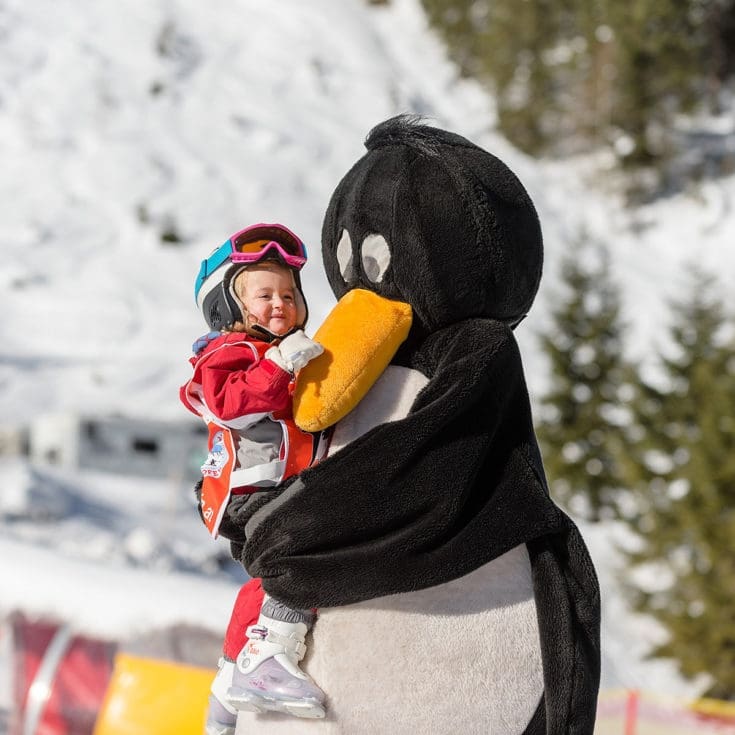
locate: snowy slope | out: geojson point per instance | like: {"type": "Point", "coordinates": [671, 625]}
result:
{"type": "Point", "coordinates": [123, 121]}
{"type": "Point", "coordinates": [143, 116]}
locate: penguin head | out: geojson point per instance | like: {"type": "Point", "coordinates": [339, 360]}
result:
{"type": "Point", "coordinates": [429, 218]}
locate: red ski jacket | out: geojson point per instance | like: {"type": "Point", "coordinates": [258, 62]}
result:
{"type": "Point", "coordinates": [235, 389]}
{"type": "Point", "coordinates": [233, 382]}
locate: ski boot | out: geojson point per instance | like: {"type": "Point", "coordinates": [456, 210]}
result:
{"type": "Point", "coordinates": [267, 677]}
{"type": "Point", "coordinates": [221, 715]}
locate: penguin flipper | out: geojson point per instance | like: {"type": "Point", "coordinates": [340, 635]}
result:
{"type": "Point", "coordinates": [421, 500]}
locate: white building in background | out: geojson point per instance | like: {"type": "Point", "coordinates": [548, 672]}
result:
{"type": "Point", "coordinates": [13, 443]}
{"type": "Point", "coordinates": [119, 444]}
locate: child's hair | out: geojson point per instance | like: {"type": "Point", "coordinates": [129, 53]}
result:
{"type": "Point", "coordinates": [237, 286]}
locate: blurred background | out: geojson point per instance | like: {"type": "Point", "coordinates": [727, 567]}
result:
{"type": "Point", "coordinates": [135, 137]}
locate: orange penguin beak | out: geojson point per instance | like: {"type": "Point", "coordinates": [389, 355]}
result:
{"type": "Point", "coordinates": [360, 336]}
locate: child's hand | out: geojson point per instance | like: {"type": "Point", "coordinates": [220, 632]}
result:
{"type": "Point", "coordinates": [203, 341]}
{"type": "Point", "coordinates": [294, 352]}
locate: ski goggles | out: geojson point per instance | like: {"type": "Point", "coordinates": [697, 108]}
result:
{"type": "Point", "coordinates": [253, 244]}
{"type": "Point", "coordinates": [256, 242]}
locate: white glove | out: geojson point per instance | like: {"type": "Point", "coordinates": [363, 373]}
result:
{"type": "Point", "coordinates": [294, 352]}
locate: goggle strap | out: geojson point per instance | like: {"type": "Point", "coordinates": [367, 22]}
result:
{"type": "Point", "coordinates": [208, 266]}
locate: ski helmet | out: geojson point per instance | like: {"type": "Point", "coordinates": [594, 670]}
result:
{"type": "Point", "coordinates": [213, 290]}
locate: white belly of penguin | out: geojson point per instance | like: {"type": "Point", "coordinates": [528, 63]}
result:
{"type": "Point", "coordinates": [461, 657]}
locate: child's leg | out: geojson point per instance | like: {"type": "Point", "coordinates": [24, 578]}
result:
{"type": "Point", "coordinates": [267, 675]}
{"type": "Point", "coordinates": [221, 715]}
{"type": "Point", "coordinates": [280, 611]}
{"type": "Point", "coordinates": [245, 613]}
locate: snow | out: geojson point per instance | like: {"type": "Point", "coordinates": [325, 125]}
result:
{"type": "Point", "coordinates": [111, 555]}
{"type": "Point", "coordinates": [142, 118]}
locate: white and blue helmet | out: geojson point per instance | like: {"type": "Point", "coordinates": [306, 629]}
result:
{"type": "Point", "coordinates": [213, 290]}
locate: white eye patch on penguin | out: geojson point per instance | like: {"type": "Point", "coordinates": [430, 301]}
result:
{"type": "Point", "coordinates": [375, 257]}
{"type": "Point", "coordinates": [344, 257]}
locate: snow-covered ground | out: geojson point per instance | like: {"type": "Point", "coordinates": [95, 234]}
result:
{"type": "Point", "coordinates": [120, 122]}
{"type": "Point", "coordinates": [112, 556]}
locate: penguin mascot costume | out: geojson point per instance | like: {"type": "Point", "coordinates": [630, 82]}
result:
{"type": "Point", "coordinates": [454, 596]}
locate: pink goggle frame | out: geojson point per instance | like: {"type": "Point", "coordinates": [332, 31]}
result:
{"type": "Point", "coordinates": [255, 242]}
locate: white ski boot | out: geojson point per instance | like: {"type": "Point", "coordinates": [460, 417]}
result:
{"type": "Point", "coordinates": [267, 677]}
{"type": "Point", "coordinates": [221, 715]}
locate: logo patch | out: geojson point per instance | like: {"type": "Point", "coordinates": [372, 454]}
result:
{"type": "Point", "coordinates": [217, 458]}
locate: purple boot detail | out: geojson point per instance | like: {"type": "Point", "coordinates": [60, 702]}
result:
{"type": "Point", "coordinates": [271, 688]}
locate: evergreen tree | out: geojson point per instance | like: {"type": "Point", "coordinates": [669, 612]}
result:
{"type": "Point", "coordinates": [583, 415]}
{"type": "Point", "coordinates": [686, 483]}
{"type": "Point", "coordinates": [576, 74]}
{"type": "Point", "coordinates": [661, 69]}
{"type": "Point", "coordinates": [503, 43]}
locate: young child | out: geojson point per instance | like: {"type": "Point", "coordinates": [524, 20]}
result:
{"type": "Point", "coordinates": [250, 293]}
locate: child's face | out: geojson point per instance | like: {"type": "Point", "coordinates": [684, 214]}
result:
{"type": "Point", "coordinates": [269, 297]}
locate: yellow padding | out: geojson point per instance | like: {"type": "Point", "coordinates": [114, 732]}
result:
{"type": "Point", "coordinates": [152, 697]}
{"type": "Point", "coordinates": [714, 707]}
{"type": "Point", "coordinates": [360, 336]}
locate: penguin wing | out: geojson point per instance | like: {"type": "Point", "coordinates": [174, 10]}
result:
{"type": "Point", "coordinates": [419, 501]}
{"type": "Point", "coordinates": [568, 605]}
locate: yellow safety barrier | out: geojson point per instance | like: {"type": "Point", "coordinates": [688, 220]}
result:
{"type": "Point", "coordinates": [152, 697]}
{"type": "Point", "coordinates": [714, 708]}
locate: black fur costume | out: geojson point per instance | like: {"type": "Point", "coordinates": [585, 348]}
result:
{"type": "Point", "coordinates": [459, 481]}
